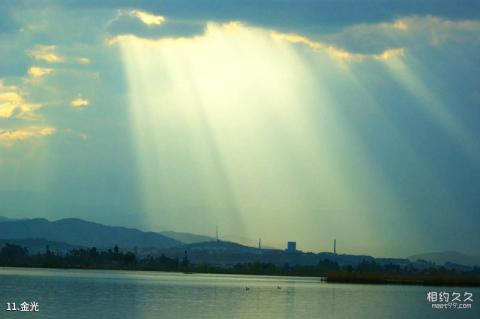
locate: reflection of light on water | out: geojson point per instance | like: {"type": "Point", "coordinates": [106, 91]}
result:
{"type": "Point", "coordinates": [149, 295]}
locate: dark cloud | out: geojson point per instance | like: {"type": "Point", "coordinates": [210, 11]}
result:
{"type": "Point", "coordinates": [307, 15]}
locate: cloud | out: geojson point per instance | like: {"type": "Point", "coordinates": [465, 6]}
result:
{"type": "Point", "coordinates": [80, 135]}
{"type": "Point", "coordinates": [143, 17]}
{"type": "Point", "coordinates": [407, 32]}
{"type": "Point", "coordinates": [293, 38]}
{"type": "Point", "coordinates": [37, 72]}
{"type": "Point", "coordinates": [210, 28]}
{"type": "Point", "coordinates": [83, 60]}
{"type": "Point", "coordinates": [9, 137]}
{"type": "Point", "coordinates": [389, 53]}
{"type": "Point", "coordinates": [438, 30]}
{"type": "Point", "coordinates": [400, 25]}
{"type": "Point", "coordinates": [336, 52]}
{"type": "Point", "coordinates": [79, 102]}
{"type": "Point", "coordinates": [387, 40]}
{"type": "Point", "coordinates": [46, 53]}
{"type": "Point", "coordinates": [300, 15]}
{"type": "Point", "coordinates": [13, 105]}
{"type": "Point", "coordinates": [147, 18]}
{"type": "Point", "coordinates": [146, 25]}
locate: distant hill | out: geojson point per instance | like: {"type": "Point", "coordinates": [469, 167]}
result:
{"type": "Point", "coordinates": [440, 258]}
{"type": "Point", "coordinates": [187, 238]}
{"type": "Point", "coordinates": [227, 253]}
{"type": "Point", "coordinates": [79, 232]}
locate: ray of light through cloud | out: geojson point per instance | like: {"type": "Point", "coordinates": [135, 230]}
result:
{"type": "Point", "coordinates": [225, 127]}
{"type": "Point", "coordinates": [434, 107]}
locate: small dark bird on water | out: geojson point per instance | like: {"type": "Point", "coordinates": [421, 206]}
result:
{"type": "Point", "coordinates": [246, 288]}
{"type": "Point", "coordinates": [278, 287]}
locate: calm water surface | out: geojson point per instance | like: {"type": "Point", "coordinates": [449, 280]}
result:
{"type": "Point", "coordinates": [130, 294]}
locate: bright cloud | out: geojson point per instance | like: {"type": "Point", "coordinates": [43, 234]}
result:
{"type": "Point", "coordinates": [79, 102]}
{"type": "Point", "coordinates": [400, 25]}
{"type": "Point", "coordinates": [319, 46]}
{"type": "Point", "coordinates": [83, 60]}
{"type": "Point", "coordinates": [147, 18]}
{"type": "Point", "coordinates": [12, 104]}
{"type": "Point", "coordinates": [406, 32]}
{"type": "Point", "coordinates": [390, 53]}
{"type": "Point", "coordinates": [9, 137]}
{"type": "Point", "coordinates": [337, 52]}
{"type": "Point", "coordinates": [37, 72]}
{"type": "Point", "coordinates": [387, 40]}
{"type": "Point", "coordinates": [46, 53]}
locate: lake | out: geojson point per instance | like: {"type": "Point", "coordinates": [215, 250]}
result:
{"type": "Point", "coordinates": [143, 294]}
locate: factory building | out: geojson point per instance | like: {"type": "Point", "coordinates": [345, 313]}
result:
{"type": "Point", "coordinates": [292, 246]}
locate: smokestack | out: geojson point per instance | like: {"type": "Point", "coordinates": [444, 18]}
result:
{"type": "Point", "coordinates": [335, 246]}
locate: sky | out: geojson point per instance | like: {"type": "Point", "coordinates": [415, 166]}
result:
{"type": "Point", "coordinates": [282, 120]}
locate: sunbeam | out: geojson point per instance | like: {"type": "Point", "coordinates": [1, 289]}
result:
{"type": "Point", "coordinates": [235, 125]}
{"type": "Point", "coordinates": [435, 108]}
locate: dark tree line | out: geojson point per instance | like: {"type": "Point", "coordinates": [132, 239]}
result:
{"type": "Point", "coordinates": [14, 255]}
{"type": "Point", "coordinates": [17, 256]}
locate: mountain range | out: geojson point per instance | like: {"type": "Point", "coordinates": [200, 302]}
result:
{"type": "Point", "coordinates": [79, 232]}
{"type": "Point", "coordinates": [187, 238]}
{"type": "Point", "coordinates": [66, 234]}
{"type": "Point", "coordinates": [441, 258]}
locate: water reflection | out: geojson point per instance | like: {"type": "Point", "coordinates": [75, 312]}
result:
{"type": "Point", "coordinates": [145, 295]}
